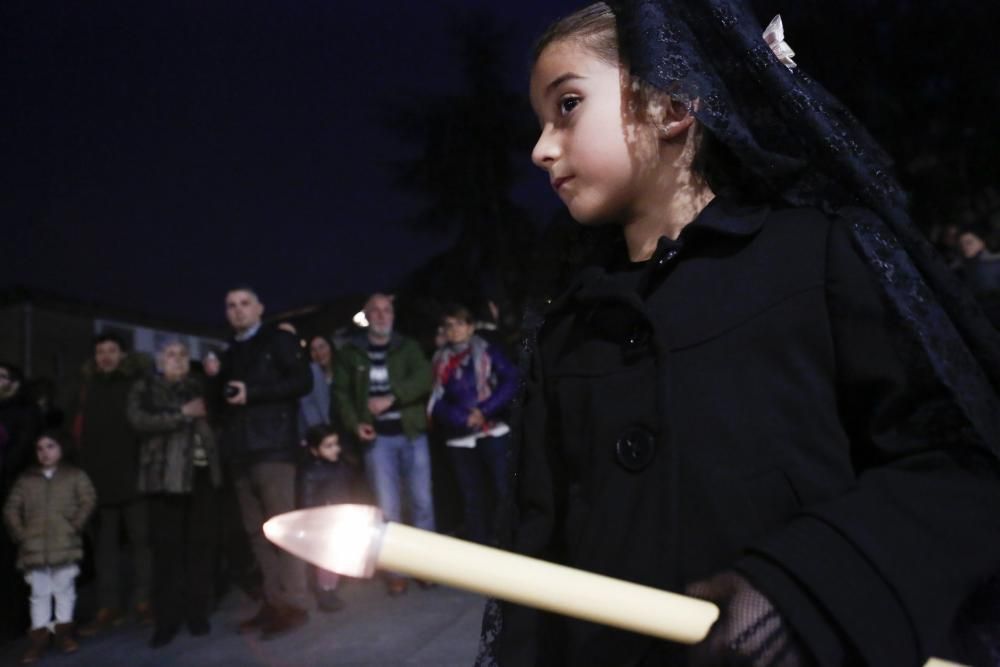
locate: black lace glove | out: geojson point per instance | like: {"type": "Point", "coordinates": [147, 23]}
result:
{"type": "Point", "coordinates": [749, 633]}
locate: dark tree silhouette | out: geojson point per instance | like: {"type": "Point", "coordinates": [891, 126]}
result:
{"type": "Point", "coordinates": [464, 172]}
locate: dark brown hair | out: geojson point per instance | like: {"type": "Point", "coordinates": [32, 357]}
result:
{"type": "Point", "coordinates": [459, 312]}
{"type": "Point", "coordinates": [596, 28]}
{"type": "Point", "coordinates": [65, 441]}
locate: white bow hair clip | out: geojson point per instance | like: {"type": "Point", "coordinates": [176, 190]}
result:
{"type": "Point", "coordinates": [774, 35]}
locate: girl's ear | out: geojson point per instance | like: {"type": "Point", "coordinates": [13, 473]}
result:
{"type": "Point", "coordinates": [677, 120]}
{"type": "Point", "coordinates": [677, 128]}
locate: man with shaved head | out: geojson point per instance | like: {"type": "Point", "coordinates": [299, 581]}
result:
{"type": "Point", "coordinates": [263, 373]}
{"type": "Point", "coordinates": [381, 384]}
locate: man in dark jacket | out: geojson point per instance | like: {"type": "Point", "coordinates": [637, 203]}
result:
{"type": "Point", "coordinates": [18, 426]}
{"type": "Point", "coordinates": [109, 455]}
{"type": "Point", "coordinates": [264, 372]}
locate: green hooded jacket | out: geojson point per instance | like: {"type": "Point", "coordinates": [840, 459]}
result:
{"type": "Point", "coordinates": [409, 375]}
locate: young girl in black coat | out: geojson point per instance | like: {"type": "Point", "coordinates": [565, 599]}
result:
{"type": "Point", "coordinates": [744, 399]}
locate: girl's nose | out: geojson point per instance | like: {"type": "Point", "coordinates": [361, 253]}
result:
{"type": "Point", "coordinates": [546, 149]}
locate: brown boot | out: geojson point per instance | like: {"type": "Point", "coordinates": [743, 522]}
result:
{"type": "Point", "coordinates": [264, 615]}
{"type": "Point", "coordinates": [39, 642]}
{"type": "Point", "coordinates": [286, 619]}
{"type": "Point", "coordinates": [64, 638]}
{"type": "Point", "coordinates": [105, 619]}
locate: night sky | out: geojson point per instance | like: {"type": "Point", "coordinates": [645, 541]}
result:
{"type": "Point", "coordinates": [155, 153]}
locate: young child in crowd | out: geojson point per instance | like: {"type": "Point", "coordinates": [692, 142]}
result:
{"type": "Point", "coordinates": [45, 514]}
{"type": "Point", "coordinates": [328, 477]}
{"type": "Point", "coordinates": [757, 393]}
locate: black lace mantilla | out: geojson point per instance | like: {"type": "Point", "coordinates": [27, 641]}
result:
{"type": "Point", "coordinates": [802, 144]}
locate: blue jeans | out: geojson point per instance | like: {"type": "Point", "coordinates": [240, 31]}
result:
{"type": "Point", "coordinates": [397, 465]}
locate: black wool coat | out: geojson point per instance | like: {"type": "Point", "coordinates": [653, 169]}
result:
{"type": "Point", "coordinates": [741, 404]}
{"type": "Point", "coordinates": [274, 367]}
{"type": "Point", "coordinates": [109, 450]}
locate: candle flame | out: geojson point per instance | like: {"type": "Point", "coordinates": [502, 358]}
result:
{"type": "Point", "coordinates": [339, 538]}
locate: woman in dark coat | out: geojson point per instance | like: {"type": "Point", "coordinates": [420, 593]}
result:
{"type": "Point", "coordinates": [722, 404]}
{"type": "Point", "coordinates": [179, 471]}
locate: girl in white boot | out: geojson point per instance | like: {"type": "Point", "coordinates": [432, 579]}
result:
{"type": "Point", "coordinates": [45, 514]}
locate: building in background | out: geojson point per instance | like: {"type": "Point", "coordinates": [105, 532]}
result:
{"type": "Point", "coordinates": [50, 336]}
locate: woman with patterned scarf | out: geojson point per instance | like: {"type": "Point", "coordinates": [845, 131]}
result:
{"type": "Point", "coordinates": [474, 384]}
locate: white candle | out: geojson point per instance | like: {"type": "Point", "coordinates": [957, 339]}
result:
{"type": "Point", "coordinates": [352, 540]}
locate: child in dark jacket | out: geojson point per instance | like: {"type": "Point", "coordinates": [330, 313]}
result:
{"type": "Point", "coordinates": [329, 477]}
{"type": "Point", "coordinates": [45, 514]}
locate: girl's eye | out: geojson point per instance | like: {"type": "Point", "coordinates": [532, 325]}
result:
{"type": "Point", "coordinates": [568, 103]}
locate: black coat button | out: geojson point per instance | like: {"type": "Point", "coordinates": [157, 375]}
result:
{"type": "Point", "coordinates": [637, 337]}
{"type": "Point", "coordinates": [635, 448]}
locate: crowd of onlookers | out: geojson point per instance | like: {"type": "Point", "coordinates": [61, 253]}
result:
{"type": "Point", "coordinates": [156, 483]}
{"type": "Point", "coordinates": [185, 459]}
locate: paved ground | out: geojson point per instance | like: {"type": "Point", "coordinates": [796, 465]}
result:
{"type": "Point", "coordinates": [437, 628]}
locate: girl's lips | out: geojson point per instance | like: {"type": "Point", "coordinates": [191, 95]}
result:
{"type": "Point", "coordinates": [558, 182]}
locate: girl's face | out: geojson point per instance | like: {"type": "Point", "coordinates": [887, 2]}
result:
{"type": "Point", "coordinates": [601, 160]}
{"type": "Point", "coordinates": [457, 331]}
{"type": "Point", "coordinates": [49, 452]}
{"type": "Point", "coordinates": [329, 449]}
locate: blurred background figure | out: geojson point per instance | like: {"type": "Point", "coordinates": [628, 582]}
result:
{"type": "Point", "coordinates": [18, 426]}
{"type": "Point", "coordinates": [330, 475]}
{"type": "Point", "coordinates": [180, 473]}
{"type": "Point", "coordinates": [314, 407]}
{"type": "Point", "coordinates": [109, 454]}
{"type": "Point", "coordinates": [321, 353]}
{"type": "Point", "coordinates": [381, 387]}
{"type": "Point", "coordinates": [45, 514]}
{"type": "Point", "coordinates": [263, 375]}
{"type": "Point", "coordinates": [979, 267]}
{"type": "Point", "coordinates": [19, 422]}
{"type": "Point", "coordinates": [474, 384]}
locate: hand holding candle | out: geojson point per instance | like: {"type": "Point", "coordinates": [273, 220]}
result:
{"type": "Point", "coordinates": [353, 540]}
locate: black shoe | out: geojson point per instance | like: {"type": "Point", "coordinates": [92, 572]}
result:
{"type": "Point", "coordinates": [163, 635]}
{"type": "Point", "coordinates": [284, 621]}
{"type": "Point", "coordinates": [329, 601]}
{"type": "Point", "coordinates": [199, 627]}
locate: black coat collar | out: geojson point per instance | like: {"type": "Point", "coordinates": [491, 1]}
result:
{"type": "Point", "coordinates": [721, 216]}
